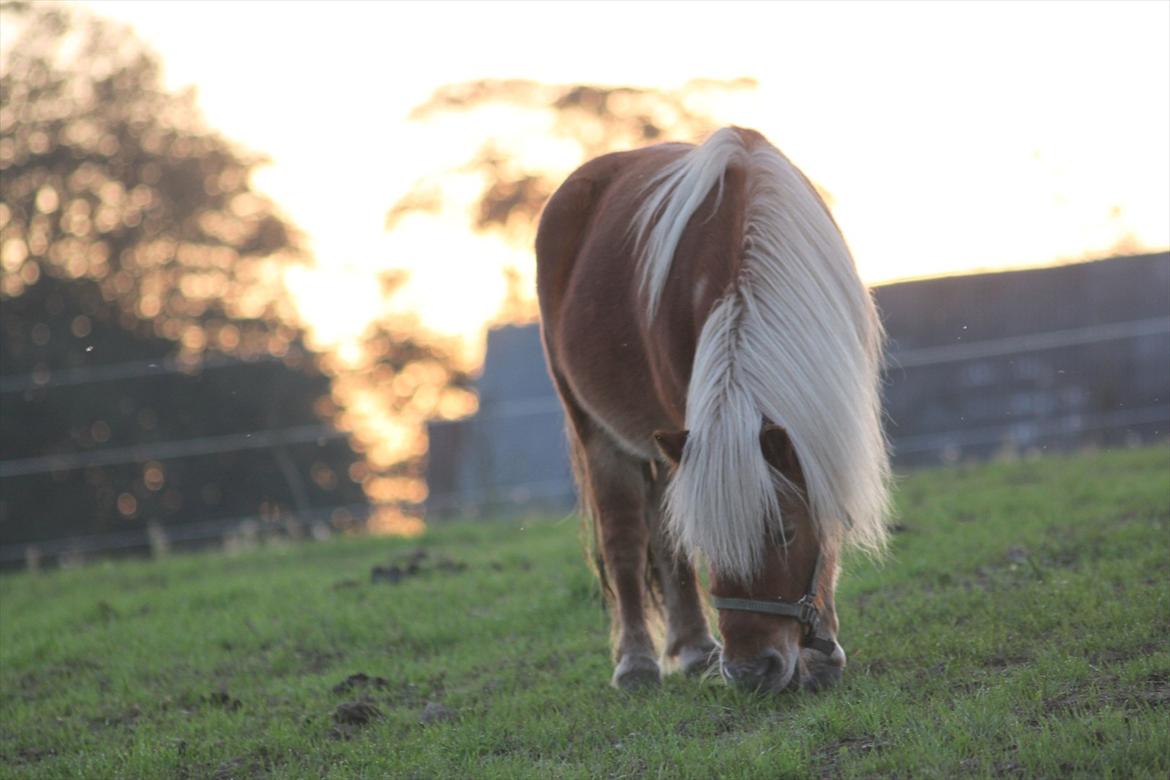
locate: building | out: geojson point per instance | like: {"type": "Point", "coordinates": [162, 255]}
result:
{"type": "Point", "coordinates": [1033, 360]}
{"type": "Point", "coordinates": [512, 451]}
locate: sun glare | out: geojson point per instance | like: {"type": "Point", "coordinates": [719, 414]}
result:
{"type": "Point", "coordinates": [962, 137]}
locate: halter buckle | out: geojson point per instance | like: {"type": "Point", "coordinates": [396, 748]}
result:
{"type": "Point", "coordinates": [809, 614]}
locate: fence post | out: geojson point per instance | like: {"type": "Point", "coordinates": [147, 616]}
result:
{"type": "Point", "coordinates": [159, 544]}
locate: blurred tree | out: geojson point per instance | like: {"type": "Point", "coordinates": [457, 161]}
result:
{"type": "Point", "coordinates": [593, 119]}
{"type": "Point", "coordinates": [518, 170]}
{"type": "Point", "coordinates": [110, 180]}
{"type": "Point", "coordinates": [130, 235]}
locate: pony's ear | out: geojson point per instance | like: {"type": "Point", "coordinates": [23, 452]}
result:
{"type": "Point", "coordinates": [778, 450]}
{"type": "Point", "coordinates": [670, 444]}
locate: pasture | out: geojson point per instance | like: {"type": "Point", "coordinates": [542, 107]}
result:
{"type": "Point", "coordinates": [1020, 626]}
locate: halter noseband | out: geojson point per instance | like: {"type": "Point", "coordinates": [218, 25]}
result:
{"type": "Point", "coordinates": [805, 611]}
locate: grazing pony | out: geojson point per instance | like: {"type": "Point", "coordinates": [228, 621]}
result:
{"type": "Point", "coordinates": [718, 360]}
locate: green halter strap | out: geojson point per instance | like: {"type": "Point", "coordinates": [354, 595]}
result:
{"type": "Point", "coordinates": [805, 611]}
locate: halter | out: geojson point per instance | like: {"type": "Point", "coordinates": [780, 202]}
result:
{"type": "Point", "coordinates": [805, 611]}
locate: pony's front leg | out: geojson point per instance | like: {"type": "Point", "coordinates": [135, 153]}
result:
{"type": "Point", "coordinates": [619, 497]}
{"type": "Point", "coordinates": [688, 637]}
{"type": "Point", "coordinates": [624, 540]}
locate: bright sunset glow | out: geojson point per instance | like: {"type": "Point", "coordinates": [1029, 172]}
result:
{"type": "Point", "coordinates": [951, 137]}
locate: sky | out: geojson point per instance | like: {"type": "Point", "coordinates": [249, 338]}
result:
{"type": "Point", "coordinates": [952, 137]}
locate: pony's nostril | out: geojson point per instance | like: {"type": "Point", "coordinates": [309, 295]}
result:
{"type": "Point", "coordinates": [764, 672]}
{"type": "Point", "coordinates": [773, 664]}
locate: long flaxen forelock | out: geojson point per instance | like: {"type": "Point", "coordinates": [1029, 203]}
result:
{"type": "Point", "coordinates": [796, 340]}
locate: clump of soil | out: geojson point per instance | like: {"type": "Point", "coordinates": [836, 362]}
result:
{"type": "Point", "coordinates": [356, 713]}
{"type": "Point", "coordinates": [435, 712]}
{"type": "Point", "coordinates": [362, 681]}
{"type": "Point", "coordinates": [352, 716]}
{"type": "Point", "coordinates": [413, 564]}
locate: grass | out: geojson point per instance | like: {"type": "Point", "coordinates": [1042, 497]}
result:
{"type": "Point", "coordinates": [1019, 627]}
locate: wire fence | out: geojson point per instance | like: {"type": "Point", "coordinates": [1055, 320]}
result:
{"type": "Point", "coordinates": [1027, 429]}
{"type": "Point", "coordinates": [311, 521]}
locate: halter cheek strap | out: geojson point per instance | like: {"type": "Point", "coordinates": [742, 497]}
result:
{"type": "Point", "coordinates": [804, 611]}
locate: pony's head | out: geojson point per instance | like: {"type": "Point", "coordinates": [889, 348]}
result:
{"type": "Point", "coordinates": [772, 640]}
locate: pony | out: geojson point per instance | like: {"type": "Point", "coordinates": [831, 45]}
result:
{"type": "Point", "coordinates": [718, 360]}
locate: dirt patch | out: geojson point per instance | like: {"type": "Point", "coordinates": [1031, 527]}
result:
{"type": "Point", "coordinates": [1009, 768]}
{"type": "Point", "coordinates": [434, 712]}
{"type": "Point", "coordinates": [27, 755]}
{"type": "Point", "coordinates": [233, 769]}
{"type": "Point", "coordinates": [438, 684]}
{"type": "Point", "coordinates": [828, 757]}
{"type": "Point", "coordinates": [394, 694]}
{"type": "Point", "coordinates": [555, 661]}
{"type": "Point", "coordinates": [314, 660]}
{"type": "Point", "coordinates": [1006, 767]}
{"type": "Point", "coordinates": [1111, 657]}
{"type": "Point", "coordinates": [1157, 692]}
{"type": "Point", "coordinates": [523, 564]}
{"type": "Point", "coordinates": [264, 762]}
{"type": "Point", "coordinates": [714, 723]}
{"type": "Point", "coordinates": [1005, 661]}
{"type": "Point", "coordinates": [37, 683]}
{"type": "Point", "coordinates": [105, 612]}
{"type": "Point", "coordinates": [224, 700]}
{"type": "Point", "coordinates": [352, 716]}
{"type": "Point", "coordinates": [1019, 565]}
{"type": "Point", "coordinates": [413, 564]}
{"type": "Point", "coordinates": [1107, 693]}
{"type": "Point", "coordinates": [118, 718]}
{"type": "Point", "coordinates": [406, 694]}
{"type": "Point", "coordinates": [356, 713]}
{"type": "Point", "coordinates": [360, 681]}
{"type": "Point", "coordinates": [1023, 562]}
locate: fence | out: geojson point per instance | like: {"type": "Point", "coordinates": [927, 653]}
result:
{"type": "Point", "coordinates": [1027, 360]}
{"type": "Point", "coordinates": [296, 514]}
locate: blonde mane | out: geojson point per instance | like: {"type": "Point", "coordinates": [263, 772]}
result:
{"type": "Point", "coordinates": [795, 339]}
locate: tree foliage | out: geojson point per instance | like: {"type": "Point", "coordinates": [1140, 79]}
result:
{"type": "Point", "coordinates": [110, 180]}
{"type": "Point", "coordinates": [132, 240]}
{"type": "Point", "coordinates": [587, 120]}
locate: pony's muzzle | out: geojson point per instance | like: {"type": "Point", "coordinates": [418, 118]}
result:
{"type": "Point", "coordinates": [769, 672]}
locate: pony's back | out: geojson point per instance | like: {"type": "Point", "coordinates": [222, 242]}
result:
{"type": "Point", "coordinates": [795, 340]}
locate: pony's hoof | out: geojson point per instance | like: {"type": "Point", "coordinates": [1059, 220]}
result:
{"type": "Point", "coordinates": [636, 672]}
{"type": "Point", "coordinates": [698, 661]}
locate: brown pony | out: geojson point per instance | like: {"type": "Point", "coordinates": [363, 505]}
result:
{"type": "Point", "coordinates": [718, 360]}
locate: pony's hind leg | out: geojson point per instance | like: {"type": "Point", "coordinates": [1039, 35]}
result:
{"type": "Point", "coordinates": [688, 638]}
{"type": "Point", "coordinates": [617, 488]}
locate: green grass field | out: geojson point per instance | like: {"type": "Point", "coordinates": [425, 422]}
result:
{"type": "Point", "coordinates": [1020, 627]}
